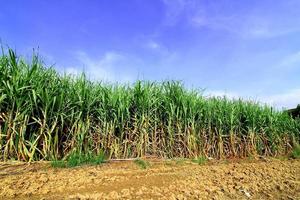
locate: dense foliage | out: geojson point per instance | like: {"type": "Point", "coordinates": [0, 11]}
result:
{"type": "Point", "coordinates": [45, 115]}
{"type": "Point", "coordinates": [295, 112]}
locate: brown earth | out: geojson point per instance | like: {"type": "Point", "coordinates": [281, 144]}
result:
{"type": "Point", "coordinates": [176, 179]}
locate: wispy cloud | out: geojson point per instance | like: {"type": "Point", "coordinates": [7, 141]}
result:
{"type": "Point", "coordinates": [174, 8]}
{"type": "Point", "coordinates": [291, 60]}
{"type": "Point", "coordinates": [222, 93]}
{"type": "Point", "coordinates": [251, 24]}
{"type": "Point", "coordinates": [158, 53]}
{"type": "Point", "coordinates": [153, 45]}
{"type": "Point", "coordinates": [258, 25]}
{"type": "Point", "coordinates": [161, 50]}
{"type": "Point", "coordinates": [112, 67]}
{"type": "Point", "coordinates": [287, 99]}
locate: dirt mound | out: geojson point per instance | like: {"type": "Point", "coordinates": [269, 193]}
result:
{"type": "Point", "coordinates": [260, 179]}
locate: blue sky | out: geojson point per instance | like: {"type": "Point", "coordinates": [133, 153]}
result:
{"type": "Point", "coordinates": [248, 49]}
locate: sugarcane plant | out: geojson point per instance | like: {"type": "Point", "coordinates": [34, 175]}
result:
{"type": "Point", "coordinates": [45, 115]}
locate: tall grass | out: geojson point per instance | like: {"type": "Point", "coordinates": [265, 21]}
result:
{"type": "Point", "coordinates": [45, 115]}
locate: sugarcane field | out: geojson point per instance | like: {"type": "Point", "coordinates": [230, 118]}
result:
{"type": "Point", "coordinates": [181, 99]}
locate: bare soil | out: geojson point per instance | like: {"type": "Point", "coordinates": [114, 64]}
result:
{"type": "Point", "coordinates": [176, 179]}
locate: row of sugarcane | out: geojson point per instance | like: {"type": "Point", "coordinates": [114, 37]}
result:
{"type": "Point", "coordinates": [45, 115]}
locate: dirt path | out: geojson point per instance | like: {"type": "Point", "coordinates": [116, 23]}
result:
{"type": "Point", "coordinates": [268, 179]}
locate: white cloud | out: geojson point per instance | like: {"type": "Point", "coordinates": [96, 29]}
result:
{"type": "Point", "coordinates": [255, 23]}
{"type": "Point", "coordinates": [222, 93]}
{"type": "Point", "coordinates": [291, 60]}
{"type": "Point", "coordinates": [288, 99]}
{"type": "Point", "coordinates": [159, 48]}
{"type": "Point", "coordinates": [112, 67]}
{"type": "Point", "coordinates": [174, 8]}
{"type": "Point", "coordinates": [252, 26]}
{"type": "Point", "coordinates": [163, 54]}
{"type": "Point", "coordinates": [153, 45]}
{"type": "Point", "coordinates": [72, 71]}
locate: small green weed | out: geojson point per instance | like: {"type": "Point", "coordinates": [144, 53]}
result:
{"type": "Point", "coordinates": [58, 164]}
{"type": "Point", "coordinates": [76, 159]}
{"type": "Point", "coordinates": [250, 157]}
{"type": "Point", "coordinates": [282, 158]}
{"type": "Point", "coordinates": [142, 163]}
{"type": "Point", "coordinates": [179, 161]}
{"type": "Point", "coordinates": [168, 163]}
{"type": "Point", "coordinates": [200, 160]}
{"type": "Point", "coordinates": [296, 152]}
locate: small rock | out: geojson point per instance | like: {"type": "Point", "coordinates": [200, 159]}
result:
{"type": "Point", "coordinates": [247, 194]}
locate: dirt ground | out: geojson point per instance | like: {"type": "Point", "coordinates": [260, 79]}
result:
{"type": "Point", "coordinates": [174, 179]}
